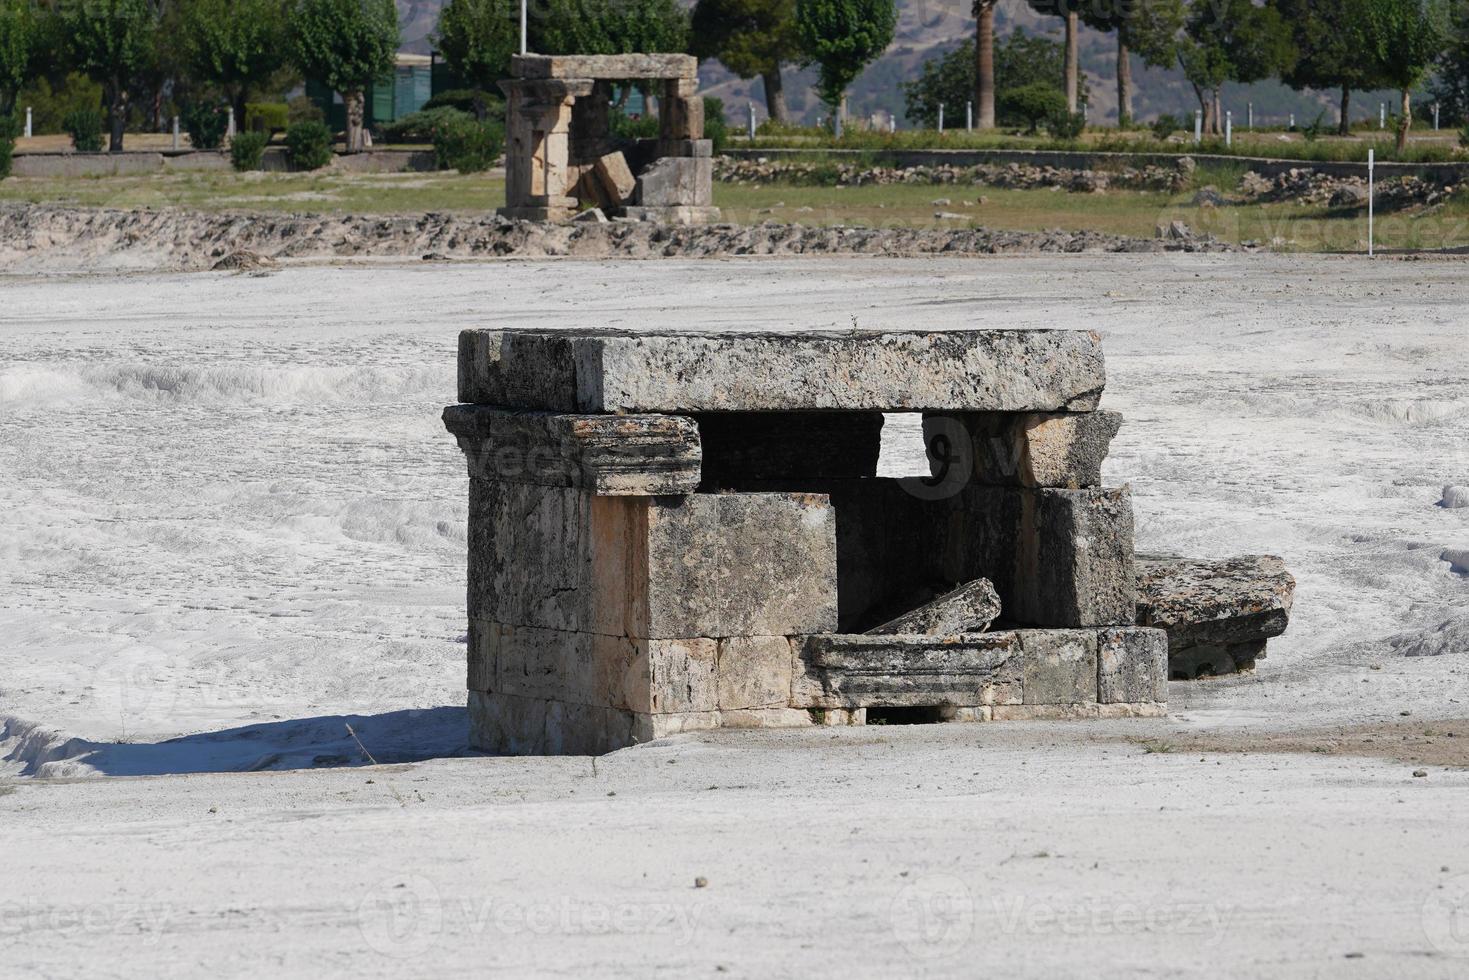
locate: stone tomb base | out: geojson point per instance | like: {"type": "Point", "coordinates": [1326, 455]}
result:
{"type": "Point", "coordinates": [681, 532]}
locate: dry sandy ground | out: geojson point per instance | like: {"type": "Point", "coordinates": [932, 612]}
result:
{"type": "Point", "coordinates": [229, 518]}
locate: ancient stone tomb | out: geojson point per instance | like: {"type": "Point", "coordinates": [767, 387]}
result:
{"type": "Point", "coordinates": [560, 154]}
{"type": "Point", "coordinates": [671, 532]}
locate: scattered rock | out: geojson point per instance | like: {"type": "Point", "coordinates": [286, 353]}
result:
{"type": "Point", "coordinates": [244, 260]}
{"type": "Point", "coordinates": [950, 216]}
{"type": "Point", "coordinates": [1420, 773]}
{"type": "Point", "coordinates": [701, 882]}
{"type": "Point", "coordinates": [1012, 175]}
{"type": "Point", "coordinates": [940, 202]}
{"type": "Point", "coordinates": [591, 216]}
{"type": "Point", "coordinates": [1455, 497]}
{"type": "Point", "coordinates": [1209, 197]}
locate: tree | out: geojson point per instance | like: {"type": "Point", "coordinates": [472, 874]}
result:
{"type": "Point", "coordinates": [1450, 84]}
{"type": "Point", "coordinates": [1399, 40]}
{"type": "Point", "coordinates": [1147, 28]}
{"type": "Point", "coordinates": [20, 41]}
{"type": "Point", "coordinates": [1232, 40]}
{"type": "Point", "coordinates": [1020, 60]}
{"type": "Point", "coordinates": [476, 39]}
{"type": "Point", "coordinates": [235, 44]}
{"type": "Point", "coordinates": [112, 42]}
{"type": "Point", "coordinates": [346, 45]}
{"type": "Point", "coordinates": [611, 27]}
{"type": "Point", "coordinates": [984, 63]}
{"type": "Point", "coordinates": [750, 37]}
{"type": "Point", "coordinates": [1325, 55]}
{"type": "Point", "coordinates": [841, 37]}
{"type": "Point", "coordinates": [1068, 11]}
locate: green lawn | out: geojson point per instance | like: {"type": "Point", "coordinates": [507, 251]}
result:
{"type": "Point", "coordinates": [1286, 226]}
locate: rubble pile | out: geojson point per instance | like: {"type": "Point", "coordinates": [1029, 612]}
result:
{"type": "Point", "coordinates": [1020, 176]}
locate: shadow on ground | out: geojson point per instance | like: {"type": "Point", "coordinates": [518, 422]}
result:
{"type": "Point", "coordinates": [301, 743]}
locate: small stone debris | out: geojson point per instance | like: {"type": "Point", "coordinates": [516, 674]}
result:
{"type": "Point", "coordinates": [701, 882]}
{"type": "Point", "coordinates": [1420, 773]}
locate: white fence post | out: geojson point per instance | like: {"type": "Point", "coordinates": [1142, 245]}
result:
{"type": "Point", "coordinates": [1198, 125]}
{"type": "Point", "coordinates": [28, 122]}
{"type": "Point", "coordinates": [969, 116]}
{"type": "Point", "coordinates": [752, 120]}
{"type": "Point", "coordinates": [1371, 165]}
{"type": "Point", "coordinates": [941, 118]}
{"type": "Point", "coordinates": [1229, 128]}
{"type": "Point", "coordinates": [175, 132]}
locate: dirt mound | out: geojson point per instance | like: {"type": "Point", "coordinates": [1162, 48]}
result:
{"type": "Point", "coordinates": [38, 237]}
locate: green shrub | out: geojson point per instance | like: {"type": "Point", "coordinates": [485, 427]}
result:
{"type": "Point", "coordinates": [267, 117]}
{"type": "Point", "coordinates": [247, 150]}
{"type": "Point", "coordinates": [85, 128]}
{"type": "Point", "coordinates": [628, 128]}
{"type": "Point", "coordinates": [1065, 125]}
{"type": "Point", "coordinates": [1163, 126]}
{"type": "Point", "coordinates": [715, 128]}
{"type": "Point", "coordinates": [464, 100]}
{"type": "Point", "coordinates": [1313, 132]}
{"type": "Point", "coordinates": [468, 146]}
{"type": "Point", "coordinates": [301, 109]}
{"type": "Point", "coordinates": [1030, 105]}
{"type": "Point", "coordinates": [309, 145]}
{"type": "Point", "coordinates": [10, 129]}
{"type": "Point", "coordinates": [206, 125]}
{"type": "Point", "coordinates": [419, 127]}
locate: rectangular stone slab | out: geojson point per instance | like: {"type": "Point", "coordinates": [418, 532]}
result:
{"type": "Point", "coordinates": [1026, 449]}
{"type": "Point", "coordinates": [968, 609]}
{"type": "Point", "coordinates": [604, 66]}
{"type": "Point", "coordinates": [896, 371]}
{"type": "Point", "coordinates": [608, 455]}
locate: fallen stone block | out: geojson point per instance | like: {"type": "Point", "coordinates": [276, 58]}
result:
{"type": "Point", "coordinates": [862, 671]}
{"type": "Point", "coordinates": [968, 609]}
{"type": "Point", "coordinates": [690, 372]}
{"type": "Point", "coordinates": [604, 454]}
{"type": "Point", "coordinates": [1222, 610]}
{"type": "Point", "coordinates": [615, 178]}
{"type": "Point", "coordinates": [1029, 449]}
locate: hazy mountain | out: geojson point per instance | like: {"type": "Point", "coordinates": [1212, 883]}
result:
{"type": "Point", "coordinates": [928, 28]}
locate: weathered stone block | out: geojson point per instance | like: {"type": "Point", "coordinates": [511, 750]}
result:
{"type": "Point", "coordinates": [961, 370]}
{"type": "Point", "coordinates": [742, 447]}
{"type": "Point", "coordinates": [615, 178]}
{"type": "Point", "coordinates": [1060, 666]}
{"type": "Point", "coordinates": [1083, 560]}
{"type": "Point", "coordinates": [677, 181]}
{"type": "Point", "coordinates": [681, 114]}
{"type": "Point", "coordinates": [681, 675]}
{"type": "Point", "coordinates": [505, 724]}
{"type": "Point", "coordinates": [1026, 449]}
{"type": "Point", "coordinates": [710, 565]}
{"type": "Point", "coordinates": [741, 564]}
{"type": "Point", "coordinates": [1217, 614]}
{"type": "Point", "coordinates": [1132, 666]}
{"type": "Point", "coordinates": [754, 672]}
{"type": "Point", "coordinates": [605, 454]}
{"type": "Point", "coordinates": [860, 671]}
{"type": "Point", "coordinates": [685, 148]}
{"type": "Point", "coordinates": [968, 609]}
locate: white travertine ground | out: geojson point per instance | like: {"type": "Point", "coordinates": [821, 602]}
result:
{"type": "Point", "coordinates": [231, 524]}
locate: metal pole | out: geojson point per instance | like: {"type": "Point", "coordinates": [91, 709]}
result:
{"type": "Point", "coordinates": [969, 116]}
{"type": "Point", "coordinates": [941, 118]}
{"type": "Point", "coordinates": [752, 120]}
{"type": "Point", "coordinates": [1382, 115]}
{"type": "Point", "coordinates": [523, 48]}
{"type": "Point", "coordinates": [1435, 117]}
{"type": "Point", "coordinates": [28, 120]}
{"type": "Point", "coordinates": [1198, 125]}
{"type": "Point", "coordinates": [1371, 165]}
{"type": "Point", "coordinates": [175, 132]}
{"type": "Point", "coordinates": [1249, 115]}
{"type": "Point", "coordinates": [1229, 128]}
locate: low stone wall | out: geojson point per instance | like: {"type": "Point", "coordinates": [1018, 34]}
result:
{"type": "Point", "coordinates": [134, 162]}
{"type": "Point", "coordinates": [1090, 160]}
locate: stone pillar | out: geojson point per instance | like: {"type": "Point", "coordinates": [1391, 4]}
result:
{"type": "Point", "coordinates": [539, 179]}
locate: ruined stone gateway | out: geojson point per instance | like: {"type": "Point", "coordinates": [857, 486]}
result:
{"type": "Point", "coordinates": [560, 154]}
{"type": "Point", "coordinates": [672, 532]}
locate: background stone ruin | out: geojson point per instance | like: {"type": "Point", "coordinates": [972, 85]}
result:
{"type": "Point", "coordinates": [560, 155]}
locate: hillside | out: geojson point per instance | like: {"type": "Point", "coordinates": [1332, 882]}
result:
{"type": "Point", "coordinates": [927, 29]}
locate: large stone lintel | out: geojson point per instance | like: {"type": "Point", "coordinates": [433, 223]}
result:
{"type": "Point", "coordinates": [604, 66]}
{"type": "Point", "coordinates": [604, 454]}
{"type": "Point", "coordinates": [623, 371]}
